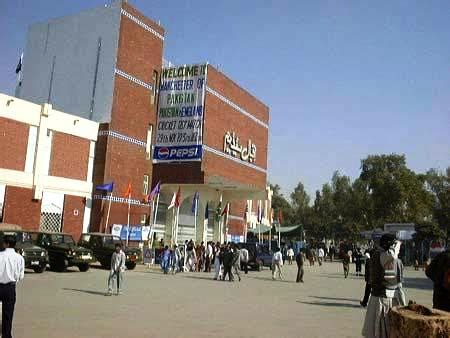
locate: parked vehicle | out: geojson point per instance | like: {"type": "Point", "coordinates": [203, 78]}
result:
{"type": "Point", "coordinates": [259, 255]}
{"type": "Point", "coordinates": [35, 257]}
{"type": "Point", "coordinates": [103, 246]}
{"type": "Point", "coordinates": [62, 251]}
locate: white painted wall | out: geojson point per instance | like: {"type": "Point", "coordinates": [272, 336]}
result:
{"type": "Point", "coordinates": [73, 41]}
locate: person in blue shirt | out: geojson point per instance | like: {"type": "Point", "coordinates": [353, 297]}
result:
{"type": "Point", "coordinates": [166, 260]}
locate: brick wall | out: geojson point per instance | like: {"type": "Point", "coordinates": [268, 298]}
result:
{"type": "Point", "coordinates": [73, 215]}
{"type": "Point", "coordinates": [21, 209]}
{"type": "Point", "coordinates": [69, 156]}
{"type": "Point", "coordinates": [139, 55]}
{"type": "Point", "coordinates": [13, 143]}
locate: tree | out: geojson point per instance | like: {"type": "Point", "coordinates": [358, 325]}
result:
{"type": "Point", "coordinates": [300, 205]}
{"type": "Point", "coordinates": [439, 186]}
{"type": "Point", "coordinates": [397, 193]}
{"type": "Point", "coordinates": [279, 202]}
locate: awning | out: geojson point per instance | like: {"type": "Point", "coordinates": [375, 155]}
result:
{"type": "Point", "coordinates": [287, 229]}
{"type": "Point", "coordinates": [264, 228]}
{"type": "Point", "coordinates": [260, 228]}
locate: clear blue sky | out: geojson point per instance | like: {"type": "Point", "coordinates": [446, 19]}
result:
{"type": "Point", "coordinates": [343, 79]}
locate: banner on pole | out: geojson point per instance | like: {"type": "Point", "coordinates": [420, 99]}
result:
{"type": "Point", "coordinates": [179, 132]}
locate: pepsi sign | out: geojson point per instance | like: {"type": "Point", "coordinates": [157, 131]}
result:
{"type": "Point", "coordinates": [178, 153]}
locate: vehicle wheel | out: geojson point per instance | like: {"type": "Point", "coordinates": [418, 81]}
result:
{"type": "Point", "coordinates": [130, 266]}
{"type": "Point", "coordinates": [83, 267]}
{"type": "Point", "coordinates": [59, 265]}
{"type": "Point", "coordinates": [39, 269]}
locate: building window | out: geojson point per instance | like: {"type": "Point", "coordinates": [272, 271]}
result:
{"type": "Point", "coordinates": [145, 185]}
{"type": "Point", "coordinates": [155, 79]}
{"type": "Point", "coordinates": [148, 146]}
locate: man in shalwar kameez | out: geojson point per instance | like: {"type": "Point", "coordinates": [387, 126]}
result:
{"type": "Point", "coordinates": [383, 278]}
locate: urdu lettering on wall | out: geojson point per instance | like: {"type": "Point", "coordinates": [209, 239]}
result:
{"type": "Point", "coordinates": [179, 132]}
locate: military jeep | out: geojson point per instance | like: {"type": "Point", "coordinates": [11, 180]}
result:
{"type": "Point", "coordinates": [103, 246]}
{"type": "Point", "coordinates": [35, 257]}
{"type": "Point", "coordinates": [62, 251]}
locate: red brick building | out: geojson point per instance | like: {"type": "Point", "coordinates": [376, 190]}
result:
{"type": "Point", "coordinates": [105, 65]}
{"type": "Point", "coordinates": [46, 166]}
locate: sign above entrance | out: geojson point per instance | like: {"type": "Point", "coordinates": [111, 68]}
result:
{"type": "Point", "coordinates": [232, 147]}
{"type": "Point", "coordinates": [179, 131]}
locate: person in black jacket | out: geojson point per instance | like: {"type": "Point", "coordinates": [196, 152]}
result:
{"type": "Point", "coordinates": [367, 279]}
{"type": "Point", "coordinates": [439, 272]}
{"type": "Point", "coordinates": [300, 272]}
{"type": "Point", "coordinates": [228, 264]}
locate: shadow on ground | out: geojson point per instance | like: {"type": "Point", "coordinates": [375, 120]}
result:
{"type": "Point", "coordinates": [331, 298]}
{"type": "Point", "coordinates": [90, 292]}
{"type": "Point", "coordinates": [417, 283]}
{"type": "Point", "coordinates": [331, 304]}
{"type": "Point", "coordinates": [269, 279]}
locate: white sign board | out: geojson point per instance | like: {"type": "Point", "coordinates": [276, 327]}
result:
{"type": "Point", "coordinates": [179, 130]}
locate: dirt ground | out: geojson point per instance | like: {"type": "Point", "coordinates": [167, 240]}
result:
{"type": "Point", "coordinates": [73, 304]}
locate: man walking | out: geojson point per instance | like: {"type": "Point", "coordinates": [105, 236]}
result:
{"type": "Point", "coordinates": [277, 263]}
{"type": "Point", "coordinates": [117, 270]}
{"type": "Point", "coordinates": [384, 280]}
{"type": "Point", "coordinates": [244, 260]}
{"type": "Point", "coordinates": [299, 259]}
{"type": "Point", "coordinates": [227, 263]}
{"type": "Point", "coordinates": [236, 261]}
{"type": "Point", "coordinates": [439, 272]}
{"type": "Point", "coordinates": [321, 255]}
{"type": "Point", "coordinates": [12, 267]}
{"type": "Point", "coordinates": [290, 254]}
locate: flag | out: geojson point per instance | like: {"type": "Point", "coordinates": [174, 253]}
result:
{"type": "Point", "coordinates": [226, 209]}
{"type": "Point", "coordinates": [172, 202]}
{"type": "Point", "coordinates": [259, 212]}
{"type": "Point", "coordinates": [19, 65]}
{"type": "Point", "coordinates": [178, 198]}
{"type": "Point", "coordinates": [246, 213]}
{"type": "Point", "coordinates": [109, 187]}
{"type": "Point", "coordinates": [207, 211]}
{"type": "Point", "coordinates": [280, 217]}
{"type": "Point", "coordinates": [156, 190]}
{"type": "Point", "coordinates": [127, 193]}
{"type": "Point", "coordinates": [195, 202]}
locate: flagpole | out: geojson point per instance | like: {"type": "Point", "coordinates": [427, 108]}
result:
{"type": "Point", "coordinates": [128, 218]}
{"type": "Point", "coordinates": [109, 211]}
{"type": "Point", "coordinates": [226, 221]}
{"type": "Point", "coordinates": [155, 213]}
{"type": "Point", "coordinates": [195, 217]}
{"type": "Point", "coordinates": [176, 234]}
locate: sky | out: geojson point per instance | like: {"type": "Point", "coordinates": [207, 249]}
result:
{"type": "Point", "coordinates": [342, 79]}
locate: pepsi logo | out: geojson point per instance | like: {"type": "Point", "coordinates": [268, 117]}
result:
{"type": "Point", "coordinates": [163, 153]}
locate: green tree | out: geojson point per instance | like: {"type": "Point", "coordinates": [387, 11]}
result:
{"type": "Point", "coordinates": [300, 204]}
{"type": "Point", "coordinates": [439, 186]}
{"type": "Point", "coordinates": [279, 202]}
{"type": "Point", "coordinates": [397, 193]}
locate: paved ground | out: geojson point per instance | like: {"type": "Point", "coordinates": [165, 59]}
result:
{"type": "Point", "coordinates": [187, 305]}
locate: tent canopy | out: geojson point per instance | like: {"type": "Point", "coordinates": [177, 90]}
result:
{"type": "Point", "coordinates": [264, 228]}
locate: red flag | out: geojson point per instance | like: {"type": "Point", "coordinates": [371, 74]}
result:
{"type": "Point", "coordinates": [178, 198]}
{"type": "Point", "coordinates": [128, 191]}
{"type": "Point", "coordinates": [280, 216]}
{"type": "Point", "coordinates": [225, 210]}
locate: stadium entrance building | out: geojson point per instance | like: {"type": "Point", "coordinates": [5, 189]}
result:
{"type": "Point", "coordinates": [190, 128]}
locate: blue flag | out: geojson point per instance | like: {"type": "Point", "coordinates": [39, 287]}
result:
{"type": "Point", "coordinates": [195, 202]}
{"type": "Point", "coordinates": [109, 187]}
